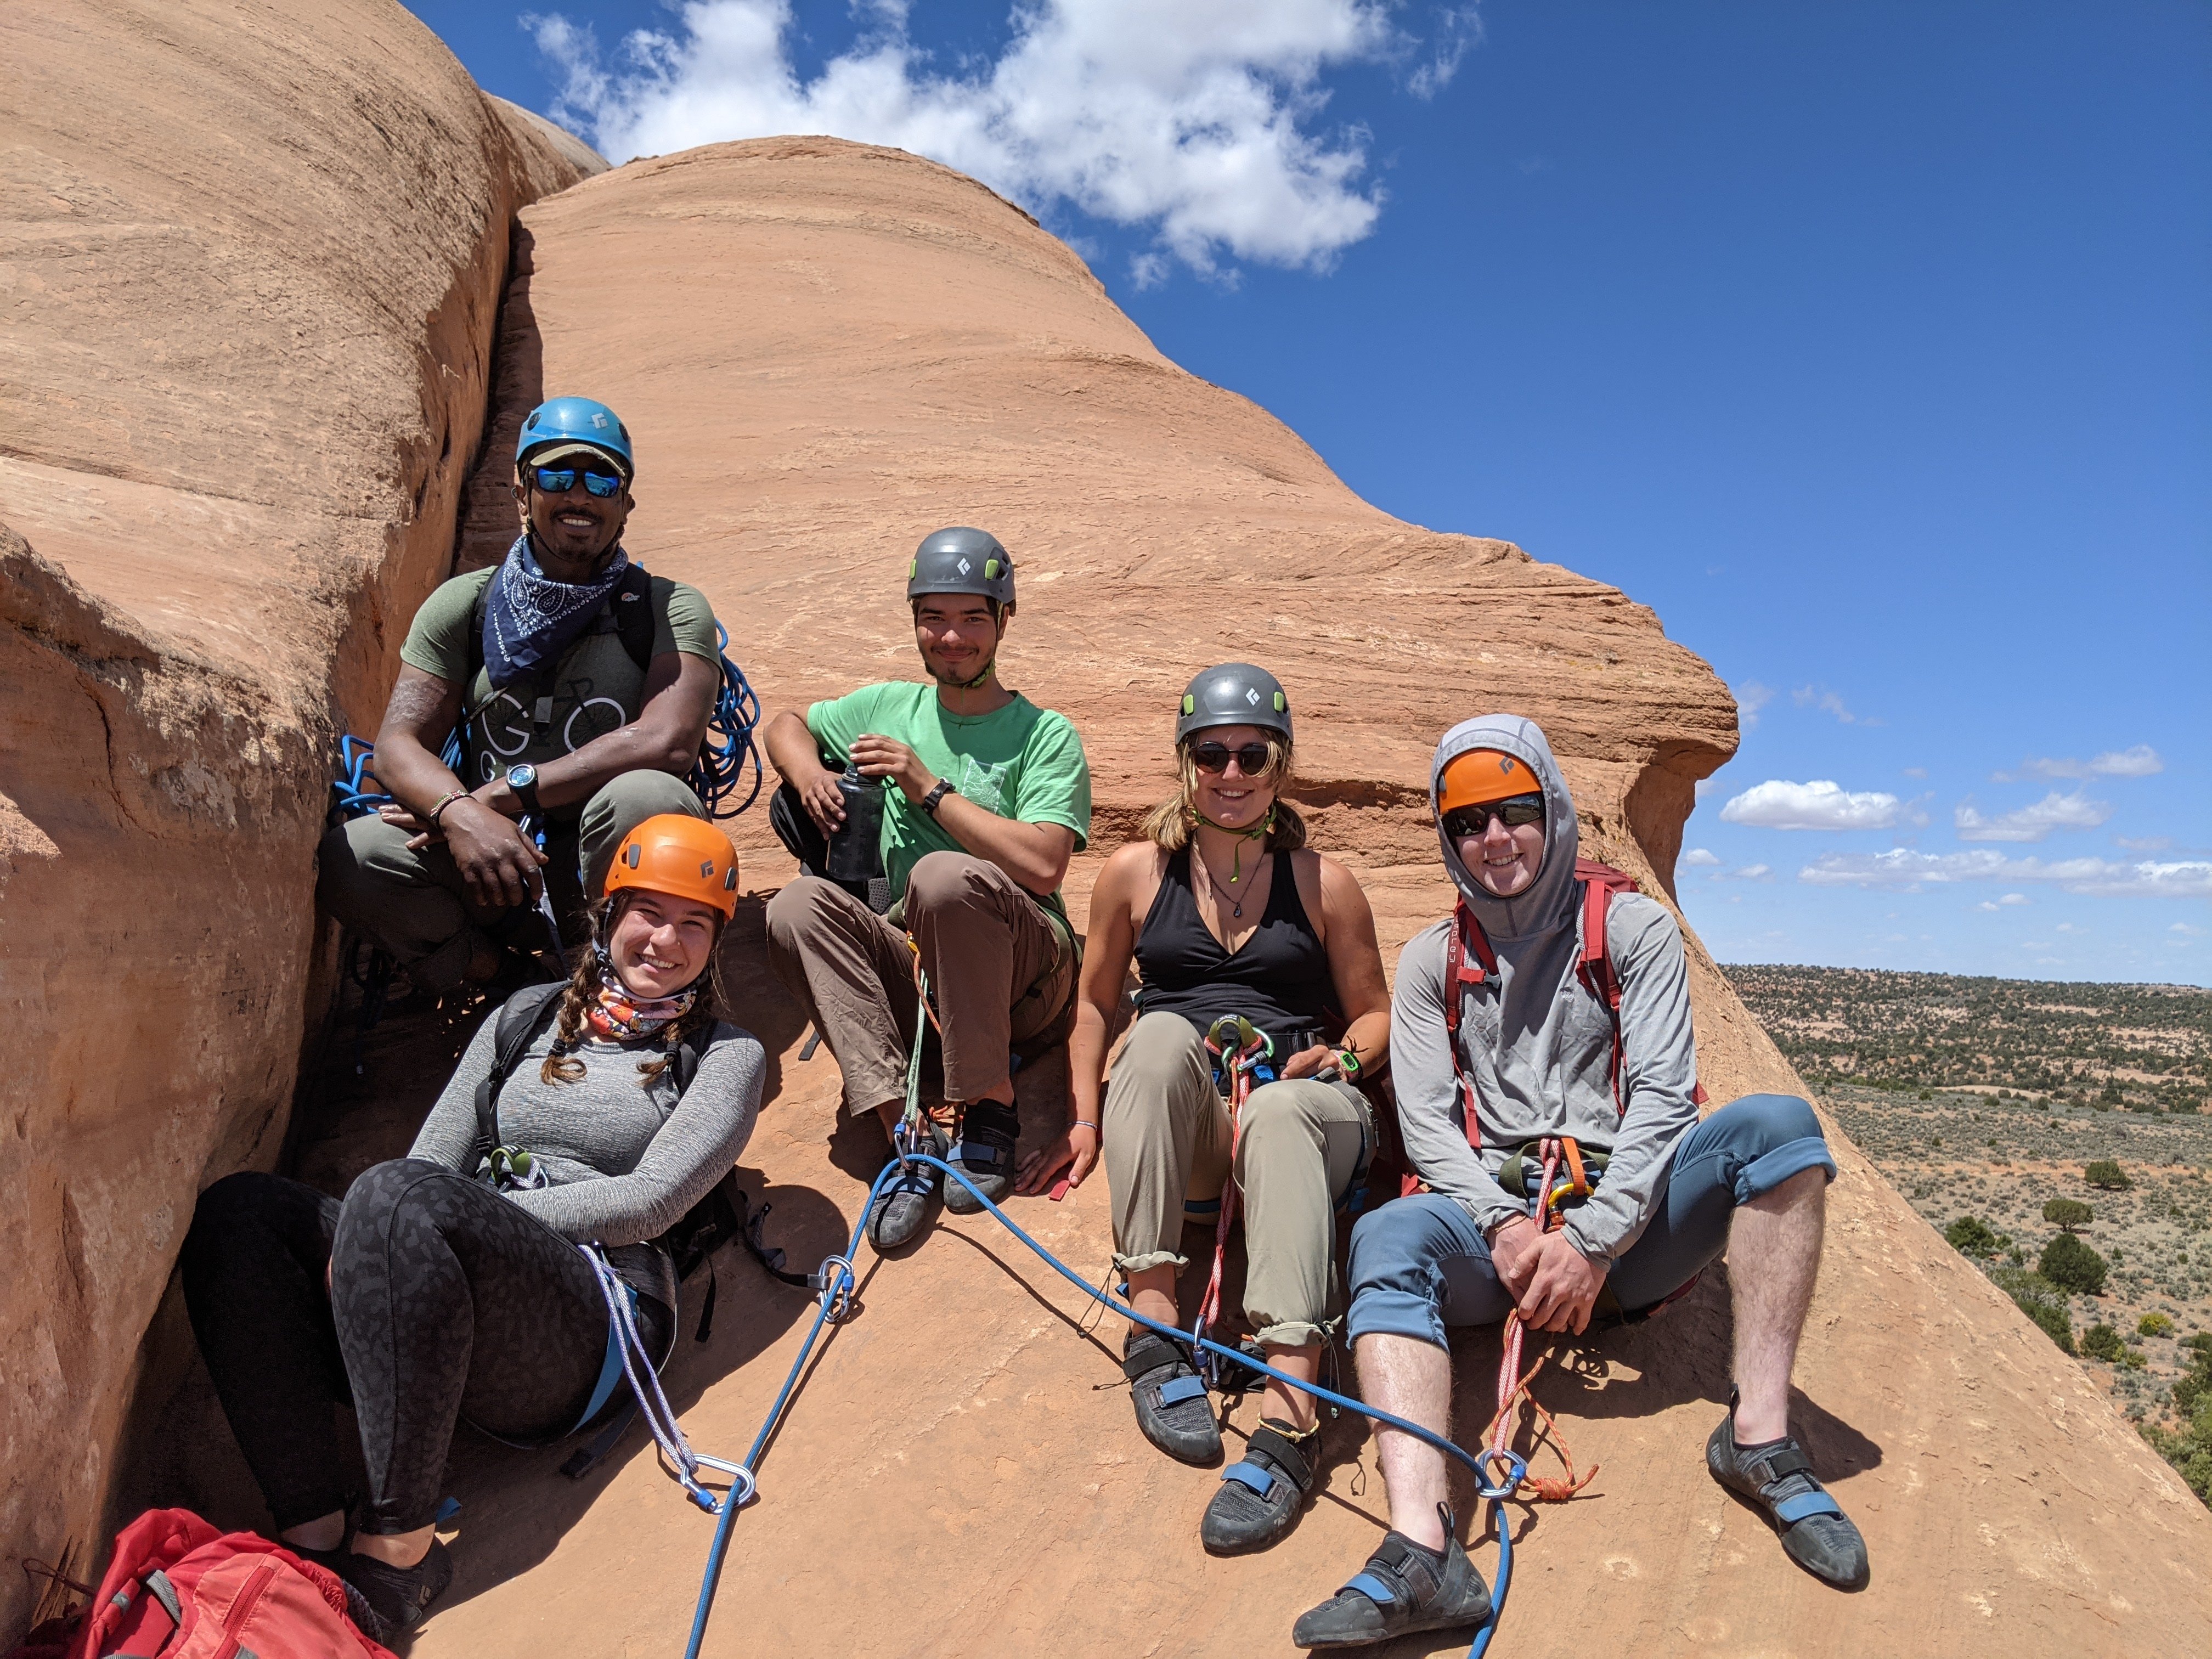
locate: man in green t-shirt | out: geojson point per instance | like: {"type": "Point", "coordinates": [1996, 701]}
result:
{"type": "Point", "coordinates": [985, 799]}
{"type": "Point", "coordinates": [582, 690]}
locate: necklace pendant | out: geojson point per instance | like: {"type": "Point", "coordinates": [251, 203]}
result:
{"type": "Point", "coordinates": [1237, 911]}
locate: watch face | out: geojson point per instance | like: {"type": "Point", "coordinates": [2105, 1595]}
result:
{"type": "Point", "coordinates": [521, 777]}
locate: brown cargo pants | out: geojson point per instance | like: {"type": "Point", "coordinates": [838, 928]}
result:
{"type": "Point", "coordinates": [986, 943]}
{"type": "Point", "coordinates": [1167, 1140]}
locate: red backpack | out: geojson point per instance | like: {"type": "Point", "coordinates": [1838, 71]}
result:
{"type": "Point", "coordinates": [178, 1588]}
{"type": "Point", "coordinates": [1469, 961]}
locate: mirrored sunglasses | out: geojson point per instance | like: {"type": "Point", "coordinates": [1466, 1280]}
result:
{"type": "Point", "coordinates": [560, 480]}
{"type": "Point", "coordinates": [1516, 813]}
{"type": "Point", "coordinates": [1214, 757]}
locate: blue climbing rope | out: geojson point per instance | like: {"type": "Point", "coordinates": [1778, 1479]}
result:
{"type": "Point", "coordinates": [836, 1282]}
{"type": "Point", "coordinates": [729, 742]}
{"type": "Point", "coordinates": [356, 788]}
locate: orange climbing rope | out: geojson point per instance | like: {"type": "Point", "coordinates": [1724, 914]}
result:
{"type": "Point", "coordinates": [1512, 1381]}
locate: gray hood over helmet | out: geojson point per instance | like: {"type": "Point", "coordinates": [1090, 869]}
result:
{"type": "Point", "coordinates": [1549, 902]}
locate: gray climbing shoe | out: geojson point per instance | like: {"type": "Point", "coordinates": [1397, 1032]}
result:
{"type": "Point", "coordinates": [1775, 1478]}
{"type": "Point", "coordinates": [1259, 1499]}
{"type": "Point", "coordinates": [398, 1598]}
{"type": "Point", "coordinates": [902, 1208]}
{"type": "Point", "coordinates": [1173, 1410]}
{"type": "Point", "coordinates": [1403, 1588]}
{"type": "Point", "coordinates": [988, 1132]}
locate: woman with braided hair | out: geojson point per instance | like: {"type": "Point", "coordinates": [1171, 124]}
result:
{"type": "Point", "coordinates": [432, 1293]}
{"type": "Point", "coordinates": [1227, 916]}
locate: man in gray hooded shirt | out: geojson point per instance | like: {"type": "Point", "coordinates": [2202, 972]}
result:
{"type": "Point", "coordinates": [1536, 1059]}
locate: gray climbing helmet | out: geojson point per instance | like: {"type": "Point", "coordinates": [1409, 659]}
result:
{"type": "Point", "coordinates": [1234, 694]}
{"type": "Point", "coordinates": [958, 560]}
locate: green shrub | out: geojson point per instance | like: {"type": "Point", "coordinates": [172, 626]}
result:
{"type": "Point", "coordinates": [2154, 1324]}
{"type": "Point", "coordinates": [2068, 1213]}
{"type": "Point", "coordinates": [2108, 1175]}
{"type": "Point", "coordinates": [2035, 1297]}
{"type": "Point", "coordinates": [2133, 1360]}
{"type": "Point", "coordinates": [1971, 1235]}
{"type": "Point", "coordinates": [1928, 1094]}
{"type": "Point", "coordinates": [2070, 1264]}
{"type": "Point", "coordinates": [2101, 1341]}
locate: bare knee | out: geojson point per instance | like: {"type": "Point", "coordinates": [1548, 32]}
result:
{"type": "Point", "coordinates": [1804, 1192]}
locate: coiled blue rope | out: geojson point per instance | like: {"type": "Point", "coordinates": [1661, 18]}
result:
{"type": "Point", "coordinates": [837, 1284]}
{"type": "Point", "coordinates": [729, 742]}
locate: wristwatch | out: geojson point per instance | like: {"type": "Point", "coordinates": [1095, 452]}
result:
{"type": "Point", "coordinates": [523, 781]}
{"type": "Point", "coordinates": [1347, 1061]}
{"type": "Point", "coordinates": [935, 799]}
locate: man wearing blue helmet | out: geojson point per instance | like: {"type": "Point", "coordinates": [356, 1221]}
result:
{"type": "Point", "coordinates": [580, 688]}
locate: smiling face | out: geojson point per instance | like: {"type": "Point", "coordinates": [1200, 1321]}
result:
{"type": "Point", "coordinates": [958, 636]}
{"type": "Point", "coordinates": [1503, 860]}
{"type": "Point", "coordinates": [660, 944]}
{"type": "Point", "coordinates": [1232, 798]}
{"type": "Point", "coordinates": [573, 527]}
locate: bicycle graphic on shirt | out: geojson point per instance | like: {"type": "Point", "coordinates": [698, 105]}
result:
{"type": "Point", "coordinates": [505, 728]}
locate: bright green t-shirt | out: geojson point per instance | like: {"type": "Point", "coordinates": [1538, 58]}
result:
{"type": "Point", "coordinates": [597, 688]}
{"type": "Point", "coordinates": [1022, 761]}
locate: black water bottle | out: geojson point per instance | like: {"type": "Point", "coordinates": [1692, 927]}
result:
{"type": "Point", "coordinates": [855, 849]}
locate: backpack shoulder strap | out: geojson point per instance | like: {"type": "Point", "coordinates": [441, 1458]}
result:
{"type": "Point", "coordinates": [632, 601]}
{"type": "Point", "coordinates": [527, 1012]}
{"type": "Point", "coordinates": [1599, 883]}
{"type": "Point", "coordinates": [684, 1063]}
{"type": "Point", "coordinates": [1460, 974]}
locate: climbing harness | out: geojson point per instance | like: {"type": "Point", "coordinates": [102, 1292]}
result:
{"type": "Point", "coordinates": [1239, 1049]}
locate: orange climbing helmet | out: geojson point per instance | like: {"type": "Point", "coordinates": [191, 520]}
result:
{"type": "Point", "coordinates": [682, 856]}
{"type": "Point", "coordinates": [1481, 776]}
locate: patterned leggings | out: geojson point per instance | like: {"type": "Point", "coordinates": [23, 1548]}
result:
{"type": "Point", "coordinates": [446, 1301]}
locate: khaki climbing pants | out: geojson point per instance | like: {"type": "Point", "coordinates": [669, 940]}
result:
{"type": "Point", "coordinates": [1000, 974]}
{"type": "Point", "coordinates": [1167, 1143]}
{"type": "Point", "coordinates": [416, 907]}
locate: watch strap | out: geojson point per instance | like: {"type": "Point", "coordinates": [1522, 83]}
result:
{"type": "Point", "coordinates": [935, 797]}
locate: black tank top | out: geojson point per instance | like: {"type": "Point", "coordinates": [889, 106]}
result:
{"type": "Point", "coordinates": [1279, 978]}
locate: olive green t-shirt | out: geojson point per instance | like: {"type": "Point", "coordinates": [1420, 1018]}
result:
{"type": "Point", "coordinates": [1021, 761]}
{"type": "Point", "coordinates": [596, 688]}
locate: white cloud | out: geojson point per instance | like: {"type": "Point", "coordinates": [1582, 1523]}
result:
{"type": "Point", "coordinates": [1753, 872]}
{"type": "Point", "coordinates": [2144, 843]}
{"type": "Point", "coordinates": [1903, 868]}
{"type": "Point", "coordinates": [2140, 762]}
{"type": "Point", "coordinates": [1828, 703]}
{"type": "Point", "coordinates": [2053, 812]}
{"type": "Point", "coordinates": [1203, 119]}
{"type": "Point", "coordinates": [1916, 771]}
{"type": "Point", "coordinates": [1698, 856]}
{"type": "Point", "coordinates": [2014, 898]}
{"type": "Point", "coordinates": [2185, 930]}
{"type": "Point", "coordinates": [1821, 805]}
{"type": "Point", "coordinates": [1750, 697]}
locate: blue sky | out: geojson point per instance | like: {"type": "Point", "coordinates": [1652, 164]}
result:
{"type": "Point", "coordinates": [1868, 344]}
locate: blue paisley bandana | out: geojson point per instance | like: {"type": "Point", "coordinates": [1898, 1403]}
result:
{"type": "Point", "coordinates": [530, 619]}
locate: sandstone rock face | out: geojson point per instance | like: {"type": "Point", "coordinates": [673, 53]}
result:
{"type": "Point", "coordinates": [823, 351]}
{"type": "Point", "coordinates": [252, 260]}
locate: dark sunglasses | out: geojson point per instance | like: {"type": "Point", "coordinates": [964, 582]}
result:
{"type": "Point", "coordinates": [1518, 814]}
{"type": "Point", "coordinates": [560, 480]}
{"type": "Point", "coordinates": [1214, 757]}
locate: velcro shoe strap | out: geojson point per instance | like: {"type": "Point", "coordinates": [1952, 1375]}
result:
{"type": "Point", "coordinates": [1790, 1511]}
{"type": "Point", "coordinates": [1281, 1451]}
{"type": "Point", "coordinates": [1779, 1464]}
{"type": "Point", "coordinates": [1253, 1477]}
{"type": "Point", "coordinates": [1150, 1354]}
{"type": "Point", "coordinates": [1400, 1562]}
{"type": "Point", "coordinates": [979, 1155]}
{"type": "Point", "coordinates": [1177, 1390]}
{"type": "Point", "coordinates": [1371, 1587]}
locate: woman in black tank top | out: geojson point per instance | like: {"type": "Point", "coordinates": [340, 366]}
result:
{"type": "Point", "coordinates": [1226, 915]}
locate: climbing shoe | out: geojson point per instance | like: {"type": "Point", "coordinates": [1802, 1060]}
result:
{"type": "Point", "coordinates": [398, 1598]}
{"type": "Point", "coordinates": [1173, 1410]}
{"type": "Point", "coordinates": [1259, 1499]}
{"type": "Point", "coordinates": [1775, 1478]}
{"type": "Point", "coordinates": [986, 1152]}
{"type": "Point", "coordinates": [1404, 1588]}
{"type": "Point", "coordinates": [902, 1206]}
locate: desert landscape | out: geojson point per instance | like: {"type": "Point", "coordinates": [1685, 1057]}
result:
{"type": "Point", "coordinates": [825, 348]}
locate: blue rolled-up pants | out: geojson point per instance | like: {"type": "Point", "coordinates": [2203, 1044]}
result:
{"type": "Point", "coordinates": [1420, 1264]}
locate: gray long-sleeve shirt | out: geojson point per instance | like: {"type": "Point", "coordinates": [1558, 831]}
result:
{"type": "Point", "coordinates": [1536, 1042]}
{"type": "Point", "coordinates": [624, 1162]}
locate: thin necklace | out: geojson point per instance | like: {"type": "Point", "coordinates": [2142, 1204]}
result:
{"type": "Point", "coordinates": [1213, 882]}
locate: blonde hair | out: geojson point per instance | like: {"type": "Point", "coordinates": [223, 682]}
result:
{"type": "Point", "coordinates": [582, 992]}
{"type": "Point", "coordinates": [1172, 823]}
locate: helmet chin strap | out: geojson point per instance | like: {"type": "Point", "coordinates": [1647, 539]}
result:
{"type": "Point", "coordinates": [1236, 865]}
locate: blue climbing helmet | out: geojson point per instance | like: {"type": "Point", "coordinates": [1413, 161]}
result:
{"type": "Point", "coordinates": [576, 421]}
